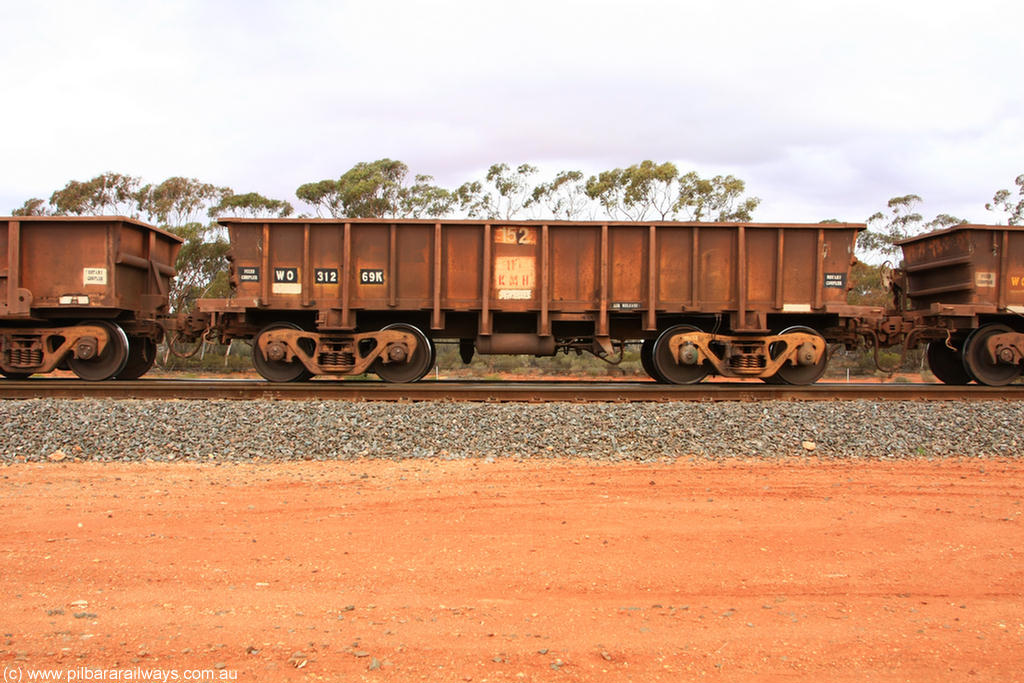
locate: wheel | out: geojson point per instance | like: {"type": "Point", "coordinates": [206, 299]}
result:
{"type": "Point", "coordinates": [141, 357]}
{"type": "Point", "coordinates": [279, 370]}
{"type": "Point", "coordinates": [664, 364]}
{"type": "Point", "coordinates": [798, 374]}
{"type": "Point", "coordinates": [947, 364]}
{"type": "Point", "coordinates": [107, 364]}
{"type": "Point", "coordinates": [418, 364]}
{"type": "Point", "coordinates": [647, 360]}
{"type": "Point", "coordinates": [978, 364]}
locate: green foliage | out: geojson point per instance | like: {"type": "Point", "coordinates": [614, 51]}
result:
{"type": "Point", "coordinates": [717, 199]}
{"type": "Point", "coordinates": [650, 189]}
{"type": "Point", "coordinates": [250, 205]}
{"type": "Point", "coordinates": [902, 221]}
{"type": "Point", "coordinates": [423, 199]}
{"type": "Point", "coordinates": [472, 200]}
{"type": "Point", "coordinates": [564, 197]}
{"type": "Point", "coordinates": [372, 189]}
{"type": "Point", "coordinates": [512, 193]}
{"type": "Point", "coordinates": [644, 190]}
{"type": "Point", "coordinates": [106, 194]}
{"type": "Point", "coordinates": [209, 358]}
{"type": "Point", "coordinates": [868, 285]}
{"type": "Point", "coordinates": [202, 266]}
{"type": "Point", "coordinates": [637, 191]}
{"type": "Point", "coordinates": [324, 197]}
{"type": "Point", "coordinates": [561, 365]}
{"type": "Point", "coordinates": [377, 189]}
{"type": "Point", "coordinates": [608, 188]}
{"type": "Point", "coordinates": [32, 207]}
{"type": "Point", "coordinates": [180, 201]}
{"type": "Point", "coordinates": [1012, 207]}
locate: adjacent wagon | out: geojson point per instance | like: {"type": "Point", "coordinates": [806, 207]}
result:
{"type": "Point", "coordinates": [86, 293]}
{"type": "Point", "coordinates": [962, 291]}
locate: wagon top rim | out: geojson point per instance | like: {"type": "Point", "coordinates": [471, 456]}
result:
{"type": "Point", "coordinates": [962, 226]}
{"type": "Point", "coordinates": [225, 220]}
{"type": "Point", "coordinates": [92, 219]}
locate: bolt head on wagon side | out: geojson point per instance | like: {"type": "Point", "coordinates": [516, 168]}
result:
{"type": "Point", "coordinates": [350, 296]}
{"type": "Point", "coordinates": [83, 293]}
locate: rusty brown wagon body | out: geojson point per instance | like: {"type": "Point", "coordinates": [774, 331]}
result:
{"type": "Point", "coordinates": [962, 290]}
{"type": "Point", "coordinates": [350, 296]}
{"type": "Point", "coordinates": [87, 292]}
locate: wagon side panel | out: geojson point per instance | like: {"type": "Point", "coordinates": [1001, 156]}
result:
{"type": "Point", "coordinates": [629, 268]}
{"type": "Point", "coordinates": [60, 259]}
{"type": "Point", "coordinates": [462, 267]}
{"type": "Point", "coordinates": [575, 268]}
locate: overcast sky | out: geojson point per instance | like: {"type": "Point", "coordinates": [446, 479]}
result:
{"type": "Point", "coordinates": [826, 109]}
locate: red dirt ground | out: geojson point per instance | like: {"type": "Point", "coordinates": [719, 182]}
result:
{"type": "Point", "coordinates": [516, 571]}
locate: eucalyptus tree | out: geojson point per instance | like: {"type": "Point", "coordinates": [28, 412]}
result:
{"type": "Point", "coordinates": [902, 221]}
{"type": "Point", "coordinates": [107, 194]}
{"type": "Point", "coordinates": [251, 205]}
{"type": "Point", "coordinates": [180, 201]}
{"type": "Point", "coordinates": [512, 193]}
{"type": "Point", "coordinates": [377, 189]}
{"type": "Point", "coordinates": [564, 197]}
{"type": "Point", "coordinates": [720, 198]}
{"type": "Point", "coordinates": [33, 207]}
{"type": "Point", "coordinates": [1012, 207]}
{"type": "Point", "coordinates": [650, 190]}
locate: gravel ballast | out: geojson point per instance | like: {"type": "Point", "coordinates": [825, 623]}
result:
{"type": "Point", "coordinates": [123, 430]}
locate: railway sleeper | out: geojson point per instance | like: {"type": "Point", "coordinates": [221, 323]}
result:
{"type": "Point", "coordinates": [337, 354]}
{"type": "Point", "coordinates": [744, 356]}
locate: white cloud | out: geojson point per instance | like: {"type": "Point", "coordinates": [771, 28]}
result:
{"type": "Point", "coordinates": [826, 109]}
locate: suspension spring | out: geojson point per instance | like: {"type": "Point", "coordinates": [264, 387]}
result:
{"type": "Point", "coordinates": [337, 361]}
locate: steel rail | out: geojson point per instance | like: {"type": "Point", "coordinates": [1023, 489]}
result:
{"type": "Point", "coordinates": [496, 391]}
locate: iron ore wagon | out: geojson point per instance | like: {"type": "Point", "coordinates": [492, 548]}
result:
{"type": "Point", "coordinates": [87, 293]}
{"type": "Point", "coordinates": [962, 291]}
{"type": "Point", "coordinates": [345, 297]}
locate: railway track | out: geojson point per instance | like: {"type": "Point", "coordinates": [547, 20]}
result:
{"type": "Point", "coordinates": [496, 391]}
